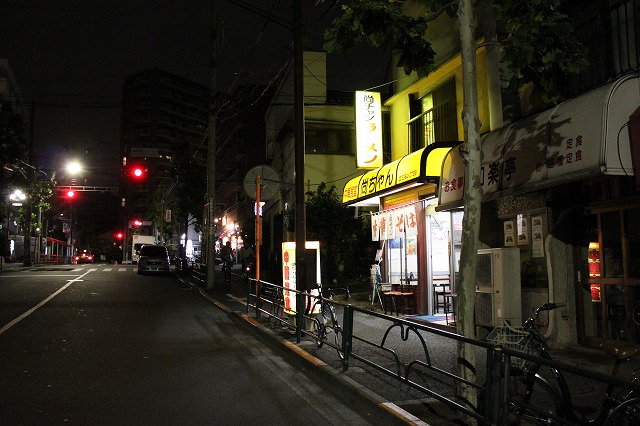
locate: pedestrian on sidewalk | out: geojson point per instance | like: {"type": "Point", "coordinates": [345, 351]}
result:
{"type": "Point", "coordinates": [246, 255]}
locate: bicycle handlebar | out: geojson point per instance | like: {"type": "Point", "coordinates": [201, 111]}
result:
{"type": "Point", "coordinates": [550, 306]}
{"type": "Point", "coordinates": [533, 321]}
{"type": "Point", "coordinates": [323, 290]}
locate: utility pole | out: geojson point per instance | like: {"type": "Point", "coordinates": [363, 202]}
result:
{"type": "Point", "coordinates": [211, 150]}
{"type": "Point", "coordinates": [298, 94]}
{"type": "Point", "coordinates": [30, 189]}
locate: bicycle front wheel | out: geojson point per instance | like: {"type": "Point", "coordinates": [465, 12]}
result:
{"type": "Point", "coordinates": [338, 336]}
{"type": "Point", "coordinates": [318, 330]}
{"type": "Point", "coordinates": [625, 414]}
{"type": "Point", "coordinates": [532, 400]}
{"type": "Point", "coordinates": [337, 331]}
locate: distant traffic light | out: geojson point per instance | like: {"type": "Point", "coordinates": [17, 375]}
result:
{"type": "Point", "coordinates": [136, 222]}
{"type": "Point", "coordinates": [119, 236]}
{"type": "Point", "coordinates": [137, 172]}
{"type": "Point", "coordinates": [70, 194]}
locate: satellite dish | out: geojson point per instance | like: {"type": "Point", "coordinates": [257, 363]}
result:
{"type": "Point", "coordinates": [269, 182]}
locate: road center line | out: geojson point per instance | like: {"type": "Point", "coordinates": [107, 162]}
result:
{"type": "Point", "coordinates": [42, 303]}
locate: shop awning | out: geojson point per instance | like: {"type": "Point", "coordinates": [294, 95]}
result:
{"type": "Point", "coordinates": [419, 167]}
{"type": "Point", "coordinates": [582, 137]}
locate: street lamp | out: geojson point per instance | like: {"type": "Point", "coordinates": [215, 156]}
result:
{"type": "Point", "coordinates": [74, 168]}
{"type": "Point", "coordinates": [17, 197]}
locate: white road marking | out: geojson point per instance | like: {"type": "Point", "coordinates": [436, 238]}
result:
{"type": "Point", "coordinates": [107, 269]}
{"type": "Point", "coordinates": [31, 276]}
{"type": "Point", "coordinates": [237, 299]}
{"type": "Point", "coordinates": [42, 303]}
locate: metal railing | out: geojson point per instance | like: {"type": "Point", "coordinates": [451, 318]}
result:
{"type": "Point", "coordinates": [438, 123]}
{"type": "Point", "coordinates": [402, 352]}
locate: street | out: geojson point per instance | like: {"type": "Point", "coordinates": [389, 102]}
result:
{"type": "Point", "coordinates": [99, 344]}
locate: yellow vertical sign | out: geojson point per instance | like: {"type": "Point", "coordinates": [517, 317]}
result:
{"type": "Point", "coordinates": [368, 130]}
{"type": "Point", "coordinates": [289, 272]}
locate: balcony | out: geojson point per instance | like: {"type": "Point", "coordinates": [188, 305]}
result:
{"type": "Point", "coordinates": [436, 124]}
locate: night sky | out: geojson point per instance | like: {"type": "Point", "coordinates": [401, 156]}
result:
{"type": "Point", "coordinates": [71, 57]}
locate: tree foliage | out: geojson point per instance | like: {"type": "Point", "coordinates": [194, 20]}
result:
{"type": "Point", "coordinates": [346, 249]}
{"type": "Point", "coordinates": [165, 197]}
{"type": "Point", "coordinates": [183, 195]}
{"type": "Point", "coordinates": [538, 43]}
{"type": "Point", "coordinates": [191, 175]}
{"type": "Point", "coordinates": [13, 147]}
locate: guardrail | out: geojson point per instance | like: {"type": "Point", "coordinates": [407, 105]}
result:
{"type": "Point", "coordinates": [388, 353]}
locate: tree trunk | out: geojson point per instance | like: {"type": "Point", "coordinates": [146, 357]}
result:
{"type": "Point", "coordinates": [472, 199]}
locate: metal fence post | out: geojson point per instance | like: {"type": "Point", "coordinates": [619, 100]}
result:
{"type": "Point", "coordinates": [347, 335]}
{"type": "Point", "coordinates": [493, 388]}
{"type": "Point", "coordinates": [300, 304]}
{"type": "Point", "coordinates": [258, 300]}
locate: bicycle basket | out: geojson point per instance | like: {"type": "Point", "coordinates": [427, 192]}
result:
{"type": "Point", "coordinates": [515, 338]}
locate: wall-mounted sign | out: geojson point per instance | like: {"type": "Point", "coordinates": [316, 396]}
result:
{"type": "Point", "coordinates": [594, 270]}
{"type": "Point", "coordinates": [368, 130]}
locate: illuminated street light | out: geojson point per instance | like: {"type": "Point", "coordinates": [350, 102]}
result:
{"type": "Point", "coordinates": [17, 197]}
{"type": "Point", "coordinates": [74, 168]}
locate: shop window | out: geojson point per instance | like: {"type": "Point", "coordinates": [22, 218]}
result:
{"type": "Point", "coordinates": [610, 297]}
{"type": "Point", "coordinates": [330, 138]}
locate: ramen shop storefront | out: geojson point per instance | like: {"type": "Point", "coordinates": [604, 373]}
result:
{"type": "Point", "coordinates": [404, 191]}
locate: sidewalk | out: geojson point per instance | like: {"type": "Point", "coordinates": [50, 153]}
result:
{"type": "Point", "coordinates": [13, 266]}
{"type": "Point", "coordinates": [351, 379]}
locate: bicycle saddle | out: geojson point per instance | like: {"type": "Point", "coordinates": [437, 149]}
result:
{"type": "Point", "coordinates": [619, 351]}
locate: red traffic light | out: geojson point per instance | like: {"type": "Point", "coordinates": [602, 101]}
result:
{"type": "Point", "coordinates": [70, 193]}
{"type": "Point", "coordinates": [137, 171]}
{"type": "Point", "coordinates": [119, 235]}
{"type": "Point", "coordinates": [136, 222]}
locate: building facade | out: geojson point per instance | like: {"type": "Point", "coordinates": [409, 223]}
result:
{"type": "Point", "coordinates": [240, 147]}
{"type": "Point", "coordinates": [329, 149]}
{"type": "Point", "coordinates": [558, 189]}
{"type": "Point", "coordinates": [164, 121]}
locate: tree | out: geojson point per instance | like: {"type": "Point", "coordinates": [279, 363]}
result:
{"type": "Point", "coordinates": [191, 183]}
{"type": "Point", "coordinates": [183, 195]}
{"type": "Point", "coordinates": [13, 156]}
{"type": "Point", "coordinates": [539, 43]}
{"type": "Point", "coordinates": [346, 249]}
{"type": "Point", "coordinates": [164, 198]}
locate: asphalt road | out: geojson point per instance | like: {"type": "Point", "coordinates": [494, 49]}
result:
{"type": "Point", "coordinates": [98, 344]}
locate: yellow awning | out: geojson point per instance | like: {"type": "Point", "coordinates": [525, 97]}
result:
{"type": "Point", "coordinates": [422, 166]}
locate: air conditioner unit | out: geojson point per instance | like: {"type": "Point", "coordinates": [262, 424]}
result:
{"type": "Point", "coordinates": [498, 288]}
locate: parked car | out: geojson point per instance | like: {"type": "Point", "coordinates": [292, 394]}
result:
{"type": "Point", "coordinates": [84, 257]}
{"type": "Point", "coordinates": [153, 258]}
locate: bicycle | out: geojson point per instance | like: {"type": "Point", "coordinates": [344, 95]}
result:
{"type": "Point", "coordinates": [247, 271]}
{"type": "Point", "coordinates": [534, 399]}
{"type": "Point", "coordinates": [226, 272]}
{"type": "Point", "coordinates": [326, 321]}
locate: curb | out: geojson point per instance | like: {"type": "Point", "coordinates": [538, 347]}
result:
{"type": "Point", "coordinates": [389, 412]}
